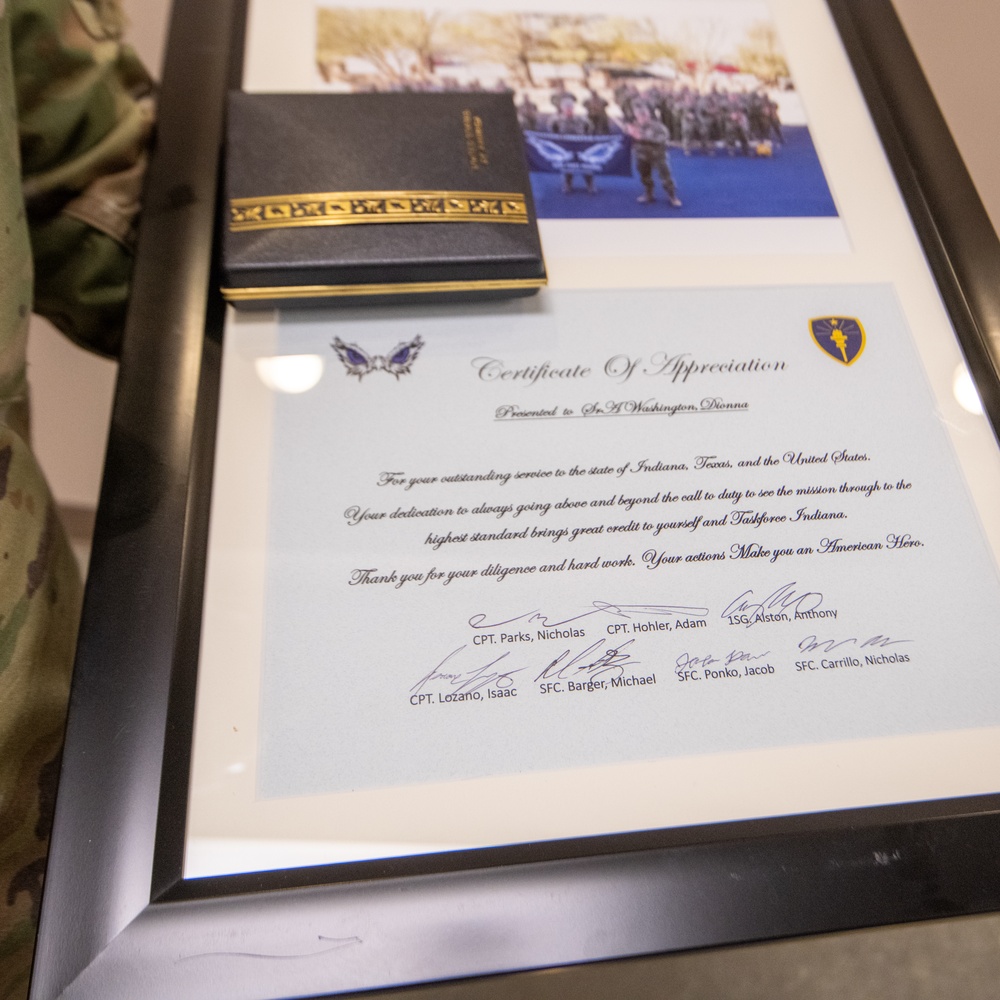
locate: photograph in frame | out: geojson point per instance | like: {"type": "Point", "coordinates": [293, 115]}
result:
{"type": "Point", "coordinates": [684, 110]}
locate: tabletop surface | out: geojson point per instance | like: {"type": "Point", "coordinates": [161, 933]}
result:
{"type": "Point", "coordinates": [954, 43]}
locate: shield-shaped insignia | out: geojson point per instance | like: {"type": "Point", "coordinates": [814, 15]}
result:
{"type": "Point", "coordinates": [840, 337]}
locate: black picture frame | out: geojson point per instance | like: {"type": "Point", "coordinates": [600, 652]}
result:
{"type": "Point", "coordinates": [117, 918]}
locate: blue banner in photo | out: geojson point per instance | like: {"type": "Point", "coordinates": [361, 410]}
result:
{"type": "Point", "coordinates": [551, 152]}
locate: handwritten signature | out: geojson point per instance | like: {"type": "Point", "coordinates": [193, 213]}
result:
{"type": "Point", "coordinates": [605, 660]}
{"type": "Point", "coordinates": [596, 660]}
{"type": "Point", "coordinates": [812, 643]}
{"type": "Point", "coordinates": [783, 600]}
{"type": "Point", "coordinates": [629, 611]}
{"type": "Point", "coordinates": [470, 680]}
{"type": "Point", "coordinates": [686, 661]}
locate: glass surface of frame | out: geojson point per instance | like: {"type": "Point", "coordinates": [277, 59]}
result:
{"type": "Point", "coordinates": [633, 575]}
{"type": "Point", "coordinates": [650, 828]}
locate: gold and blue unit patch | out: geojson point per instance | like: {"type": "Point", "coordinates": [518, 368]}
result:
{"type": "Point", "coordinates": [841, 337]}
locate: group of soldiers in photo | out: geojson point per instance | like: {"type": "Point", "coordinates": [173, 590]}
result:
{"type": "Point", "coordinates": [658, 116]}
{"type": "Point", "coordinates": [737, 120]}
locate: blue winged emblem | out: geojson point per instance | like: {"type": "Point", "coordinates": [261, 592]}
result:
{"type": "Point", "coordinates": [600, 153]}
{"type": "Point", "coordinates": [550, 151]}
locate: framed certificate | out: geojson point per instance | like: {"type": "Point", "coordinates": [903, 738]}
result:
{"type": "Point", "coordinates": [659, 611]}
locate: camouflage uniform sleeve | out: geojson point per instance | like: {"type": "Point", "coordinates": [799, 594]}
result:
{"type": "Point", "coordinates": [39, 609]}
{"type": "Point", "coordinates": [85, 113]}
{"type": "Point", "coordinates": [65, 79]}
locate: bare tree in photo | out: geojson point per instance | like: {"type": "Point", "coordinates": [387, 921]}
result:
{"type": "Point", "coordinates": [761, 54]}
{"type": "Point", "coordinates": [590, 40]}
{"type": "Point", "coordinates": [515, 40]}
{"type": "Point", "coordinates": [703, 45]}
{"type": "Point", "coordinates": [398, 43]}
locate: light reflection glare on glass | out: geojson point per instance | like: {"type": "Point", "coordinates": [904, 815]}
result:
{"type": "Point", "coordinates": [291, 373]}
{"type": "Point", "coordinates": [238, 768]}
{"type": "Point", "coordinates": [965, 391]}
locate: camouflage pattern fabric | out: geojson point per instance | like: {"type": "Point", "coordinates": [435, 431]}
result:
{"type": "Point", "coordinates": [85, 114]}
{"type": "Point", "coordinates": [74, 123]}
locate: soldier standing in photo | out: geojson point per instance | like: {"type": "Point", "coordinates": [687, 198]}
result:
{"type": "Point", "coordinates": [625, 96]}
{"type": "Point", "coordinates": [568, 123]}
{"type": "Point", "coordinates": [597, 113]}
{"type": "Point", "coordinates": [736, 129]}
{"type": "Point", "coordinates": [561, 94]}
{"type": "Point", "coordinates": [690, 125]}
{"type": "Point", "coordinates": [649, 143]}
{"type": "Point", "coordinates": [670, 111]}
{"type": "Point", "coordinates": [773, 120]}
{"type": "Point", "coordinates": [712, 120]}
{"type": "Point", "coordinates": [756, 116]}
{"type": "Point", "coordinates": [527, 114]}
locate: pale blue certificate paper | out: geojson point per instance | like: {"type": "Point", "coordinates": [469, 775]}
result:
{"type": "Point", "coordinates": [610, 526]}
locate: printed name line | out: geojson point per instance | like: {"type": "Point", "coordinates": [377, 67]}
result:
{"type": "Point", "coordinates": [591, 416]}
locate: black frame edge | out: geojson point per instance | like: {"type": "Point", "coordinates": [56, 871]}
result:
{"type": "Point", "coordinates": [103, 833]}
{"type": "Point", "coordinates": [397, 932]}
{"type": "Point", "coordinates": [168, 853]}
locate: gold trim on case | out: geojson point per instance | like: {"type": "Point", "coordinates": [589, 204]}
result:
{"type": "Point", "coordinates": [401, 288]}
{"type": "Point", "coordinates": [352, 208]}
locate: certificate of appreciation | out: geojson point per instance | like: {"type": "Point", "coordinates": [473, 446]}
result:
{"type": "Point", "coordinates": [613, 526]}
